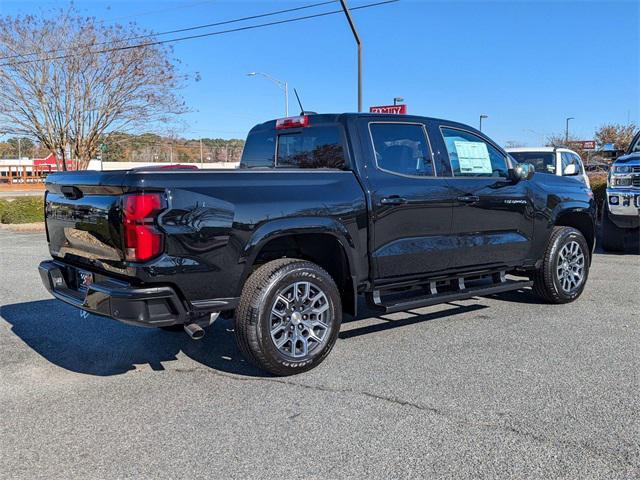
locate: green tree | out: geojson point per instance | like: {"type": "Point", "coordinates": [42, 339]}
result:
{"type": "Point", "coordinates": [21, 146]}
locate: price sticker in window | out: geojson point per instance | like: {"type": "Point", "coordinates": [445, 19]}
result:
{"type": "Point", "coordinates": [473, 157]}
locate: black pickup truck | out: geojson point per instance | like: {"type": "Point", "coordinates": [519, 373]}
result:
{"type": "Point", "coordinates": [408, 211]}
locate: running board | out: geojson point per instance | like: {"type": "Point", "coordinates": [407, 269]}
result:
{"type": "Point", "coordinates": [462, 294]}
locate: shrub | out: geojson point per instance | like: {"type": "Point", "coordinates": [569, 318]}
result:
{"type": "Point", "coordinates": [599, 186]}
{"type": "Point", "coordinates": [22, 210]}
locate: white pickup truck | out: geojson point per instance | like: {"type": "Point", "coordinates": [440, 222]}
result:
{"type": "Point", "coordinates": [554, 160]}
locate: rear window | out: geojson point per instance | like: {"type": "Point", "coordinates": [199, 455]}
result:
{"type": "Point", "coordinates": [312, 147]}
{"type": "Point", "coordinates": [259, 150]}
{"type": "Point", "coordinates": [316, 147]}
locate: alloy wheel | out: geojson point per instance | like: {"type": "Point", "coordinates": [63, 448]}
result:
{"type": "Point", "coordinates": [570, 268]}
{"type": "Point", "coordinates": [300, 320]}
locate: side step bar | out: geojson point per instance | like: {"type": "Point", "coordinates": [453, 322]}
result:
{"type": "Point", "coordinates": [462, 294]}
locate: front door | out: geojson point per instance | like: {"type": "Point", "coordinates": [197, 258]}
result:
{"type": "Point", "coordinates": [411, 206]}
{"type": "Point", "coordinates": [492, 214]}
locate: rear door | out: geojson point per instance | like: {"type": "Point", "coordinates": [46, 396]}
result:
{"type": "Point", "coordinates": [410, 202]}
{"type": "Point", "coordinates": [492, 215]}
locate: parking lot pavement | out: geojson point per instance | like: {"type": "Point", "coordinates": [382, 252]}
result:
{"type": "Point", "coordinates": [490, 387]}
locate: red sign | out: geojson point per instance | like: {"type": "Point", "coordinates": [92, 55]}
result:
{"type": "Point", "coordinates": [52, 164]}
{"type": "Point", "coordinates": [585, 144]}
{"type": "Point", "coordinates": [394, 109]}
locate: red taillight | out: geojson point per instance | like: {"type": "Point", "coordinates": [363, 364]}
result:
{"type": "Point", "coordinates": [142, 240]}
{"type": "Point", "coordinates": [292, 122]}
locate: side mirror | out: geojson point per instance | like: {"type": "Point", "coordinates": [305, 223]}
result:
{"type": "Point", "coordinates": [571, 169]}
{"type": "Point", "coordinates": [522, 171]}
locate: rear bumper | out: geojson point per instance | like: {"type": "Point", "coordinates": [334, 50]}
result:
{"type": "Point", "coordinates": [149, 307]}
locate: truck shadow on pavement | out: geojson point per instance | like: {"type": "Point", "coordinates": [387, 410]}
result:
{"type": "Point", "coordinates": [103, 347]}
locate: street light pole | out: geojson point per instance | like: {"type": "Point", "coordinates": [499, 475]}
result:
{"type": "Point", "coordinates": [566, 130]}
{"type": "Point", "coordinates": [280, 84]}
{"type": "Point", "coordinates": [359, 43]}
{"type": "Point", "coordinates": [481, 117]}
{"type": "Point", "coordinates": [286, 99]}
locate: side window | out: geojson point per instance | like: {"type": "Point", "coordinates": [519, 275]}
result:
{"type": "Point", "coordinates": [578, 161]}
{"type": "Point", "coordinates": [570, 159]}
{"type": "Point", "coordinates": [259, 150]}
{"type": "Point", "coordinates": [313, 147]}
{"type": "Point", "coordinates": [471, 156]}
{"type": "Point", "coordinates": [401, 148]}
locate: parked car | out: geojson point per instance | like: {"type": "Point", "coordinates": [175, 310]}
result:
{"type": "Point", "coordinates": [621, 216]}
{"type": "Point", "coordinates": [597, 167]}
{"type": "Point", "coordinates": [552, 160]}
{"type": "Point", "coordinates": [406, 210]}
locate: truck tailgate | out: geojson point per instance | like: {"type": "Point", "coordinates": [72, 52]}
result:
{"type": "Point", "coordinates": [84, 224]}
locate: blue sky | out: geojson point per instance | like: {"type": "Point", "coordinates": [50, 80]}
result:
{"type": "Point", "coordinates": [526, 64]}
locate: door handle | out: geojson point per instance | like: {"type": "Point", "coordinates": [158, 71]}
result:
{"type": "Point", "coordinates": [393, 200]}
{"type": "Point", "coordinates": [468, 198]}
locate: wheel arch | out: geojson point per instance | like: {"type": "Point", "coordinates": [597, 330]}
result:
{"type": "Point", "coordinates": [323, 241]}
{"type": "Point", "coordinates": [580, 219]}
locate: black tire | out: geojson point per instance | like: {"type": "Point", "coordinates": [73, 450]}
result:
{"type": "Point", "coordinates": [254, 316]}
{"type": "Point", "coordinates": [546, 282]}
{"type": "Point", "coordinates": [612, 235]}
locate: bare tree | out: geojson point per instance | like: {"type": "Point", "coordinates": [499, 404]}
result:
{"type": "Point", "coordinates": [558, 140]}
{"type": "Point", "coordinates": [67, 80]}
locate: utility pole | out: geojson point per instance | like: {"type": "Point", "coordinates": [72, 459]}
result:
{"type": "Point", "coordinates": [359, 43]}
{"type": "Point", "coordinates": [200, 153]}
{"type": "Point", "coordinates": [566, 130]}
{"type": "Point", "coordinates": [19, 148]}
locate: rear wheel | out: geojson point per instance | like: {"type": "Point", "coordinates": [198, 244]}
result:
{"type": "Point", "coordinates": [565, 267]}
{"type": "Point", "coordinates": [288, 317]}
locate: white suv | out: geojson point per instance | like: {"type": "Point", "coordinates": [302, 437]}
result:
{"type": "Point", "coordinates": [553, 160]}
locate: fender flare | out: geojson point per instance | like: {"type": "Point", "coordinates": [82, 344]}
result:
{"type": "Point", "coordinates": [572, 208]}
{"type": "Point", "coordinates": [293, 226]}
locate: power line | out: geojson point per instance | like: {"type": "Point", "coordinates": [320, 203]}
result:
{"type": "Point", "coordinates": [180, 30]}
{"type": "Point", "coordinates": [153, 12]}
{"type": "Point", "coordinates": [192, 37]}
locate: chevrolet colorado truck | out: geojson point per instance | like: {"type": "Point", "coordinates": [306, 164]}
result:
{"type": "Point", "coordinates": [406, 211]}
{"type": "Point", "coordinates": [621, 213]}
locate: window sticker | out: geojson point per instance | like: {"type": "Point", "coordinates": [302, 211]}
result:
{"type": "Point", "coordinates": [473, 157]}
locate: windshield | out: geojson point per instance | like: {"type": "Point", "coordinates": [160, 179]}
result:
{"type": "Point", "coordinates": [635, 146]}
{"type": "Point", "coordinates": [543, 162]}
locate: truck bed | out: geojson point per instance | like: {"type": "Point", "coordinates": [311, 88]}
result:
{"type": "Point", "coordinates": [210, 224]}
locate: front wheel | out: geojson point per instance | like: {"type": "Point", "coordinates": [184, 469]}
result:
{"type": "Point", "coordinates": [288, 317]}
{"type": "Point", "coordinates": [565, 267]}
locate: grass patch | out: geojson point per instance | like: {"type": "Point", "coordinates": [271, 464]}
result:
{"type": "Point", "coordinates": [22, 210]}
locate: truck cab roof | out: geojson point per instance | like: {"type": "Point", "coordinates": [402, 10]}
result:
{"type": "Point", "coordinates": [323, 118]}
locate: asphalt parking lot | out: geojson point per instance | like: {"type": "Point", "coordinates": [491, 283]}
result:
{"type": "Point", "coordinates": [491, 387]}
